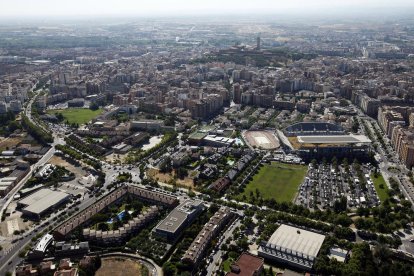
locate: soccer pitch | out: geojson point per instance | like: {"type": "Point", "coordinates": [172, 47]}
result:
{"type": "Point", "coordinates": [77, 115]}
{"type": "Point", "coordinates": [277, 180]}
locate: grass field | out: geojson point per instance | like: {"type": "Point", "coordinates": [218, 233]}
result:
{"type": "Point", "coordinates": [382, 192]}
{"type": "Point", "coordinates": [226, 264]}
{"type": "Point", "coordinates": [77, 115]}
{"type": "Point", "coordinates": [277, 180]}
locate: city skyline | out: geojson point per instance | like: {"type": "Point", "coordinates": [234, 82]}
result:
{"type": "Point", "coordinates": [77, 8]}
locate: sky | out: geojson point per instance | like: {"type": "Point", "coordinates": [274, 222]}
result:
{"type": "Point", "coordinates": [68, 8]}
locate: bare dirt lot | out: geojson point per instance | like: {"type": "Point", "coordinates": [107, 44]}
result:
{"type": "Point", "coordinates": [261, 139]}
{"type": "Point", "coordinates": [168, 177]}
{"type": "Point", "coordinates": [56, 160]}
{"type": "Point", "coordinates": [114, 158]}
{"type": "Point", "coordinates": [7, 143]}
{"type": "Point", "coordinates": [120, 267]}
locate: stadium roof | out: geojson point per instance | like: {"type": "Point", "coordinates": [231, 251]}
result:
{"type": "Point", "coordinates": [307, 128]}
{"type": "Point", "coordinates": [297, 240]}
{"type": "Point", "coordinates": [333, 139]}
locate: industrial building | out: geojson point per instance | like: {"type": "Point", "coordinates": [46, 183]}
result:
{"type": "Point", "coordinates": [292, 246]}
{"type": "Point", "coordinates": [40, 202]}
{"type": "Point", "coordinates": [183, 215]}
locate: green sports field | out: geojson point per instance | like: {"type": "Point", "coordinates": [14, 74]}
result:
{"type": "Point", "coordinates": [77, 115]}
{"type": "Point", "coordinates": [277, 180]}
{"type": "Point", "coordinates": [382, 192]}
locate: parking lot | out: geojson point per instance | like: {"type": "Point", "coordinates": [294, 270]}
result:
{"type": "Point", "coordinates": [325, 184]}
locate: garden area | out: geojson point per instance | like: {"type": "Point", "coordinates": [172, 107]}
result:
{"type": "Point", "coordinates": [117, 214]}
{"type": "Point", "coordinates": [380, 186]}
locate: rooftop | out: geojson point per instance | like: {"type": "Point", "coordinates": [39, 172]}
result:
{"type": "Point", "coordinates": [333, 139]}
{"type": "Point", "coordinates": [42, 200]}
{"type": "Point", "coordinates": [179, 215]}
{"type": "Point", "coordinates": [297, 240]}
{"type": "Point", "coordinates": [43, 243]}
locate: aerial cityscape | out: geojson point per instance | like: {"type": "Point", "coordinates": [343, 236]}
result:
{"type": "Point", "coordinates": [151, 138]}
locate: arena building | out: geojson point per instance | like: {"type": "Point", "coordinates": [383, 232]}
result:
{"type": "Point", "coordinates": [292, 246]}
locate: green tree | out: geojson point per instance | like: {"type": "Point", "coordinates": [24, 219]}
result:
{"type": "Point", "coordinates": [181, 172]}
{"type": "Point", "coordinates": [93, 106]}
{"type": "Point", "coordinates": [169, 269]}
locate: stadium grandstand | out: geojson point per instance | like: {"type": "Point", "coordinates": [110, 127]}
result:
{"type": "Point", "coordinates": [313, 129]}
{"type": "Point", "coordinates": [320, 139]}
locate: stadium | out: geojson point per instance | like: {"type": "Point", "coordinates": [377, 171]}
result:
{"type": "Point", "coordinates": [261, 139]}
{"type": "Point", "coordinates": [313, 128]}
{"type": "Point", "coordinates": [320, 139]}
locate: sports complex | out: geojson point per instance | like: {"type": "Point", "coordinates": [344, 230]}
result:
{"type": "Point", "coordinates": [261, 139]}
{"type": "Point", "coordinates": [322, 139]}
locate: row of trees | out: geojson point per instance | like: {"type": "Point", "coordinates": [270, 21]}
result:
{"type": "Point", "coordinates": [362, 262]}
{"type": "Point", "coordinates": [78, 156]}
{"type": "Point", "coordinates": [166, 140]}
{"type": "Point", "coordinates": [9, 124]}
{"type": "Point", "coordinates": [36, 132]}
{"type": "Point", "coordinates": [91, 149]}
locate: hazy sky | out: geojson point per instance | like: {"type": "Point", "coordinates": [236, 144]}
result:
{"type": "Point", "coordinates": [33, 8]}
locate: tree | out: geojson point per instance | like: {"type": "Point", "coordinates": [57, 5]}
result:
{"type": "Point", "coordinates": [169, 269]}
{"type": "Point", "coordinates": [181, 172]}
{"type": "Point", "coordinates": [59, 116]}
{"type": "Point", "coordinates": [166, 166]}
{"type": "Point", "coordinates": [103, 226]}
{"type": "Point", "coordinates": [93, 106]}
{"type": "Point", "coordinates": [340, 206]}
{"type": "Point", "coordinates": [13, 125]}
{"type": "Point", "coordinates": [97, 262]}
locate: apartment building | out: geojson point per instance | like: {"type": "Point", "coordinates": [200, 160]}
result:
{"type": "Point", "coordinates": [198, 247]}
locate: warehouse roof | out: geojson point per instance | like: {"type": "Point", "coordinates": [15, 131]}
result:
{"type": "Point", "coordinates": [297, 240]}
{"type": "Point", "coordinates": [42, 200]}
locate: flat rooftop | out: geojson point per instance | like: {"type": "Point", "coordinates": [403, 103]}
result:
{"type": "Point", "coordinates": [42, 200]}
{"type": "Point", "coordinates": [333, 139]}
{"type": "Point", "coordinates": [179, 215]}
{"type": "Point", "coordinates": [297, 240]}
